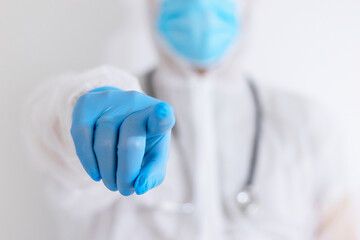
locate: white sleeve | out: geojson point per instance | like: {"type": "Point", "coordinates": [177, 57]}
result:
{"type": "Point", "coordinates": [48, 122]}
{"type": "Point", "coordinates": [332, 161]}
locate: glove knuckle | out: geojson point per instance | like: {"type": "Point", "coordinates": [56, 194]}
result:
{"type": "Point", "coordinates": [81, 130]}
{"type": "Point", "coordinates": [108, 95]}
{"type": "Point", "coordinates": [133, 95]}
{"type": "Point", "coordinates": [103, 145]}
{"type": "Point", "coordinates": [106, 121]}
{"type": "Point", "coordinates": [133, 143]}
{"type": "Point", "coordinates": [84, 98]}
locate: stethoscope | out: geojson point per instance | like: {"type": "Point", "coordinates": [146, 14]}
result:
{"type": "Point", "coordinates": [244, 199]}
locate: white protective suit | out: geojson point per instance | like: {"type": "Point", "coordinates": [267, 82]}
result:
{"type": "Point", "coordinates": [298, 177]}
{"type": "Point", "coordinates": [297, 180]}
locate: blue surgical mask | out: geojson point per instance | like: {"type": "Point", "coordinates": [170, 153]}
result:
{"type": "Point", "coordinates": [200, 31]}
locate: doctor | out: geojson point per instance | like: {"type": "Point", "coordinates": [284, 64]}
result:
{"type": "Point", "coordinates": [243, 161]}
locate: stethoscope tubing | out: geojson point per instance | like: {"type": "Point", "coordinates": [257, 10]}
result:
{"type": "Point", "coordinates": [257, 133]}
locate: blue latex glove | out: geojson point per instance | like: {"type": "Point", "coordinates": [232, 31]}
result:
{"type": "Point", "coordinates": [123, 137]}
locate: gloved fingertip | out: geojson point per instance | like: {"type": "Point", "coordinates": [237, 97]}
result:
{"type": "Point", "coordinates": [96, 177]}
{"type": "Point", "coordinates": [140, 185]}
{"type": "Point", "coordinates": [112, 187]}
{"type": "Point", "coordinates": [126, 192]}
{"type": "Point", "coordinates": [143, 185]}
{"type": "Point", "coordinates": [162, 110]}
{"type": "Point", "coordinates": [162, 119]}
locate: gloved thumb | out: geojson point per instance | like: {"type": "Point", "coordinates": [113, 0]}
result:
{"type": "Point", "coordinates": [161, 119]}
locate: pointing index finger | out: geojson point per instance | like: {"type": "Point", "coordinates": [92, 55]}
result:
{"type": "Point", "coordinates": [161, 119]}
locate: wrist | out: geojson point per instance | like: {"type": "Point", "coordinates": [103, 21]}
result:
{"type": "Point", "coordinates": [104, 88]}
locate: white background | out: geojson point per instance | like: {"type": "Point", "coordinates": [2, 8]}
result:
{"type": "Point", "coordinates": [309, 46]}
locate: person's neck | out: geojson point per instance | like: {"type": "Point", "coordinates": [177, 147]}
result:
{"type": "Point", "coordinates": [187, 71]}
{"type": "Point", "coordinates": [200, 72]}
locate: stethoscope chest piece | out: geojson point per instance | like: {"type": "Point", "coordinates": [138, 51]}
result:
{"type": "Point", "coordinates": [246, 203]}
